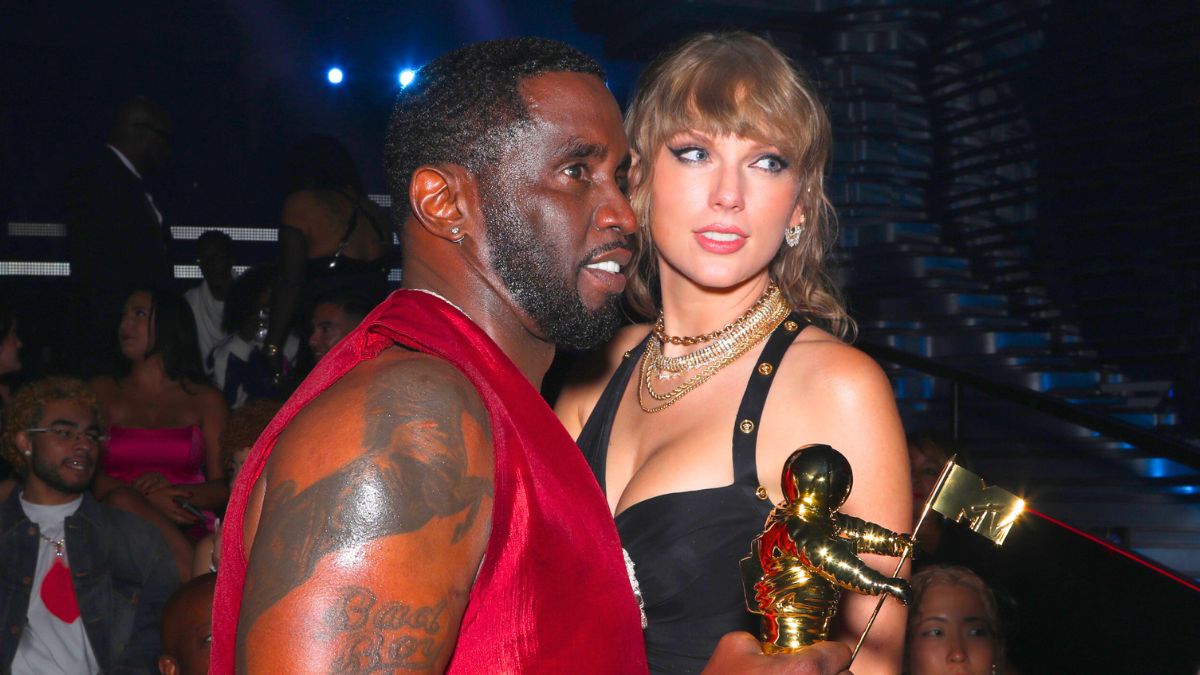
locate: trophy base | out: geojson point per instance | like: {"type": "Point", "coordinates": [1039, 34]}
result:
{"type": "Point", "coordinates": [792, 633]}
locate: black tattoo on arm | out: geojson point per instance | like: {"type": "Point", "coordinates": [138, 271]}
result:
{"type": "Point", "coordinates": [412, 468]}
{"type": "Point", "coordinates": [376, 636]}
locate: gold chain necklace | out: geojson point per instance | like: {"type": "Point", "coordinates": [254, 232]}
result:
{"type": "Point", "coordinates": [755, 329]}
{"type": "Point", "coordinates": [660, 330]}
{"type": "Point", "coordinates": [748, 324]}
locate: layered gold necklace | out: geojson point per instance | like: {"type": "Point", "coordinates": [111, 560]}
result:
{"type": "Point", "coordinates": [723, 347]}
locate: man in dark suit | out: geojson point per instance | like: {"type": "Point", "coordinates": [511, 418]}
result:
{"type": "Point", "coordinates": [118, 238]}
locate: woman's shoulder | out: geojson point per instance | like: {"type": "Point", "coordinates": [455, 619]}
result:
{"type": "Point", "coordinates": [304, 209]}
{"type": "Point", "coordinates": [819, 360]}
{"type": "Point", "coordinates": [104, 387]}
{"type": "Point", "coordinates": [591, 374]}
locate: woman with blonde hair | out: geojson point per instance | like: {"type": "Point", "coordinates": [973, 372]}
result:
{"type": "Point", "coordinates": [729, 145]}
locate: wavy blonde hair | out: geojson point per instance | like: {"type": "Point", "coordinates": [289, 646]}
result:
{"type": "Point", "coordinates": [739, 84]}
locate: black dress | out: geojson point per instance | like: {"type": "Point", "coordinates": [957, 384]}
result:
{"type": "Point", "coordinates": [686, 546]}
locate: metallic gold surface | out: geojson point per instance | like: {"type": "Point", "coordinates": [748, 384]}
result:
{"type": "Point", "coordinates": [987, 510]}
{"type": "Point", "coordinates": [808, 551]}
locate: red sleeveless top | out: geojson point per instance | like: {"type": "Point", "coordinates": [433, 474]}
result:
{"type": "Point", "coordinates": [552, 594]}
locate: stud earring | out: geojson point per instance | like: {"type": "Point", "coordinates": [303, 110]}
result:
{"type": "Point", "coordinates": [455, 231]}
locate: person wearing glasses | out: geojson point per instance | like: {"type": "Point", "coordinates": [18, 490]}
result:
{"type": "Point", "coordinates": [118, 238]}
{"type": "Point", "coordinates": [82, 585]}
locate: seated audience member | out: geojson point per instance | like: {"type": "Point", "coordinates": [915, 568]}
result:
{"type": "Point", "coordinates": [214, 253]}
{"type": "Point", "coordinates": [953, 625]}
{"type": "Point", "coordinates": [333, 317]}
{"type": "Point", "coordinates": [187, 628]}
{"type": "Point", "coordinates": [240, 368]}
{"type": "Point", "coordinates": [245, 425]}
{"type": "Point", "coordinates": [81, 584]}
{"type": "Point", "coordinates": [164, 452]}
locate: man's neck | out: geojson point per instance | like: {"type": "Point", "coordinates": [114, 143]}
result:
{"type": "Point", "coordinates": [494, 314]}
{"type": "Point", "coordinates": [36, 492]}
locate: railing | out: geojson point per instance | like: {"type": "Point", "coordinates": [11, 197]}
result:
{"type": "Point", "coordinates": [1116, 429]}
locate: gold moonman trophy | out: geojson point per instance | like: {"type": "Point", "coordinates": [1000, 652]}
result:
{"type": "Point", "coordinates": [807, 550]}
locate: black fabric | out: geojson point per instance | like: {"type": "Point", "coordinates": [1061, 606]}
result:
{"type": "Point", "coordinates": [338, 273]}
{"type": "Point", "coordinates": [686, 546]}
{"type": "Point", "coordinates": [116, 245]}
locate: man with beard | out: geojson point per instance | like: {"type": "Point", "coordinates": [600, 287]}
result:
{"type": "Point", "coordinates": [81, 585]}
{"type": "Point", "coordinates": [416, 505]}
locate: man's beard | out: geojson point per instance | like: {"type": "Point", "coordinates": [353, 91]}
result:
{"type": "Point", "coordinates": [48, 473]}
{"type": "Point", "coordinates": [526, 265]}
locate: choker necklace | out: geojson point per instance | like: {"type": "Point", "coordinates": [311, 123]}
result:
{"type": "Point", "coordinates": [725, 347]}
{"type": "Point", "coordinates": [688, 340]}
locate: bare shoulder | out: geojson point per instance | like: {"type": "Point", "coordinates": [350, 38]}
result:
{"type": "Point", "coordinates": [302, 209]}
{"type": "Point", "coordinates": [209, 399]}
{"type": "Point", "coordinates": [818, 361]}
{"type": "Point", "coordinates": [104, 387]}
{"type": "Point", "coordinates": [591, 375]}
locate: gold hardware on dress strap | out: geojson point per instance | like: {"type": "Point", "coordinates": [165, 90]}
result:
{"type": "Point", "coordinates": [746, 426]}
{"type": "Point", "coordinates": [765, 368]}
{"type": "Point", "coordinates": [791, 326]}
{"type": "Point", "coordinates": [627, 353]}
{"type": "Point", "coordinates": [761, 492]}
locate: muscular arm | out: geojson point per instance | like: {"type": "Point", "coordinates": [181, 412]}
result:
{"type": "Point", "coordinates": [374, 521]}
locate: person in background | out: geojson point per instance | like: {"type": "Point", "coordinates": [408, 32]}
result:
{"type": "Point", "coordinates": [331, 238]}
{"type": "Point", "coordinates": [214, 253]}
{"type": "Point", "coordinates": [953, 625]}
{"type": "Point", "coordinates": [82, 585]}
{"type": "Point", "coordinates": [187, 628]}
{"type": "Point", "coordinates": [164, 454]}
{"type": "Point", "coordinates": [333, 317]}
{"type": "Point", "coordinates": [245, 425]}
{"type": "Point", "coordinates": [118, 239]}
{"type": "Point", "coordinates": [241, 369]}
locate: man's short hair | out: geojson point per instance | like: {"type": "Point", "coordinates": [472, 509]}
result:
{"type": "Point", "coordinates": [25, 410]}
{"type": "Point", "coordinates": [463, 104]}
{"type": "Point", "coordinates": [353, 303]}
{"type": "Point", "coordinates": [214, 238]}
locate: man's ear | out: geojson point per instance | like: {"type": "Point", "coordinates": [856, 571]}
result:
{"type": "Point", "coordinates": [167, 666]}
{"type": "Point", "coordinates": [24, 442]}
{"type": "Point", "coordinates": [443, 200]}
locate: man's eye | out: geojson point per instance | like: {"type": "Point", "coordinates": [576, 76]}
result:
{"type": "Point", "coordinates": [575, 171]}
{"type": "Point", "coordinates": [65, 434]}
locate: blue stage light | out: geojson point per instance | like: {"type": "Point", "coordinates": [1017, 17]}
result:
{"type": "Point", "coordinates": [406, 77]}
{"type": "Point", "coordinates": [335, 75]}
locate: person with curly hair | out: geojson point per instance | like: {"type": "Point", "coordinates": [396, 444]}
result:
{"type": "Point", "coordinates": [82, 584]}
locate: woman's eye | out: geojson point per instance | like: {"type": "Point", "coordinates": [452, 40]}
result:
{"type": "Point", "coordinates": [932, 632]}
{"type": "Point", "coordinates": [980, 632]}
{"type": "Point", "coordinates": [690, 154]}
{"type": "Point", "coordinates": [772, 163]}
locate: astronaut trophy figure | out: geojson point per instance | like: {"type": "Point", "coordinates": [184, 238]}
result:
{"type": "Point", "coordinates": [807, 551]}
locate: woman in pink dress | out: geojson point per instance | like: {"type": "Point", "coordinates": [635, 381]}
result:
{"type": "Point", "coordinates": [163, 460]}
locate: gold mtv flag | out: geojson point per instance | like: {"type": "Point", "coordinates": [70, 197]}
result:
{"type": "Point", "coordinates": [963, 497]}
{"type": "Point", "coordinates": [986, 509]}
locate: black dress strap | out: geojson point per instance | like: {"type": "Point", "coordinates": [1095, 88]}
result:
{"type": "Point", "coordinates": [749, 416]}
{"type": "Point", "coordinates": [593, 440]}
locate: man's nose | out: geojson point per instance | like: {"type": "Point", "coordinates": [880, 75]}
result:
{"type": "Point", "coordinates": [616, 214]}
